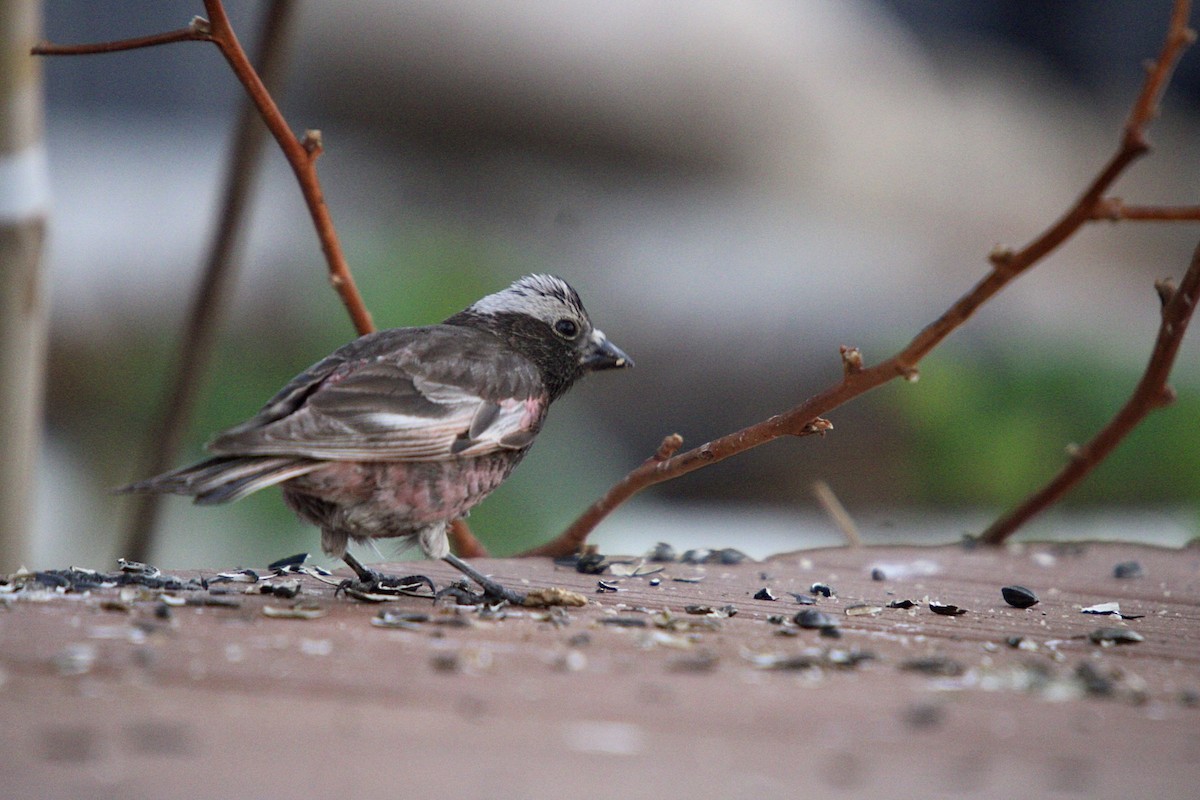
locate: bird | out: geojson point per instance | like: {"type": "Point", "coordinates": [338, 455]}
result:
{"type": "Point", "coordinates": [401, 432]}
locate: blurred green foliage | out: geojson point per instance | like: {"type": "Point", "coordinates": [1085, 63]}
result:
{"type": "Point", "coordinates": [988, 430]}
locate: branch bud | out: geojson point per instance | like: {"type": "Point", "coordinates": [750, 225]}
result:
{"type": "Point", "coordinates": [852, 361]}
{"type": "Point", "coordinates": [1000, 256]}
{"type": "Point", "coordinates": [670, 445]}
{"type": "Point", "coordinates": [1166, 291]}
{"type": "Point", "coordinates": [312, 142]}
{"type": "Point", "coordinates": [819, 426]}
{"type": "Point", "coordinates": [200, 26]}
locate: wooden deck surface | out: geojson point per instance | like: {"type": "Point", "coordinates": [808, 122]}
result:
{"type": "Point", "coordinates": [111, 694]}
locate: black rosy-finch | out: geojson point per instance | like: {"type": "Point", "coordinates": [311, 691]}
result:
{"type": "Point", "coordinates": [401, 432]}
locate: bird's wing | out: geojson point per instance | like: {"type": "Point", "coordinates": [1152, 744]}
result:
{"type": "Point", "coordinates": [407, 396]}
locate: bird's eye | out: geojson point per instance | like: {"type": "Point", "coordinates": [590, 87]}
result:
{"type": "Point", "coordinates": [566, 328]}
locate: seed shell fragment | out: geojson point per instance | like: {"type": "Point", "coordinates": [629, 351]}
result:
{"type": "Point", "coordinates": [946, 609]}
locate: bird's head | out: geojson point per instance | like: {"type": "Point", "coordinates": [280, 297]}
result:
{"type": "Point", "coordinates": [542, 317]}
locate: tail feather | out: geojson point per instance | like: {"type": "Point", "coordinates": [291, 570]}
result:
{"type": "Point", "coordinates": [224, 479]}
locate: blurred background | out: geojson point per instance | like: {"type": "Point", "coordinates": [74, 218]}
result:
{"type": "Point", "coordinates": [736, 189]}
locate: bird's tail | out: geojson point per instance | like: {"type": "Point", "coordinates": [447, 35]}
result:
{"type": "Point", "coordinates": [223, 479]}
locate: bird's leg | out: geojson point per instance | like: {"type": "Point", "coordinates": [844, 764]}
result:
{"type": "Point", "coordinates": [371, 582]}
{"type": "Point", "coordinates": [365, 575]}
{"type": "Point", "coordinates": [491, 589]}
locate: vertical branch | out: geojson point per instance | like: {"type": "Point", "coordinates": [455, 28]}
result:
{"type": "Point", "coordinates": [301, 155]}
{"type": "Point", "coordinates": [1152, 392]}
{"type": "Point", "coordinates": [199, 331]}
{"type": "Point", "coordinates": [23, 318]}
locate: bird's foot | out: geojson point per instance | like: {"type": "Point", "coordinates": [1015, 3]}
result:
{"type": "Point", "coordinates": [371, 585]}
{"type": "Point", "coordinates": [493, 592]}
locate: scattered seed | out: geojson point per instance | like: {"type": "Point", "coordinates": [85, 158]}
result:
{"type": "Point", "coordinates": [403, 620]}
{"type": "Point", "coordinates": [901, 603]}
{"type": "Point", "coordinates": [1128, 569]}
{"type": "Point", "coordinates": [764, 594]}
{"type": "Point", "coordinates": [776, 619]}
{"type": "Point", "coordinates": [1109, 609]}
{"type": "Point", "coordinates": [803, 599]}
{"type": "Point", "coordinates": [1103, 608]}
{"type": "Point", "coordinates": [235, 576]}
{"type": "Point", "coordinates": [877, 575]}
{"type": "Point", "coordinates": [703, 660]}
{"type": "Point", "coordinates": [637, 569]}
{"type": "Point", "coordinates": [210, 602]}
{"type": "Point", "coordinates": [605, 587]}
{"type": "Point", "coordinates": [688, 578]}
{"type": "Point", "coordinates": [823, 589]}
{"type": "Point", "coordinates": [623, 622]}
{"type": "Point", "coordinates": [297, 611]}
{"type": "Point", "coordinates": [848, 658]}
{"type": "Point", "coordinates": [811, 619]}
{"type": "Point", "coordinates": [284, 590]}
{"type": "Point", "coordinates": [729, 556]}
{"type": "Point", "coordinates": [710, 611]}
{"type": "Point", "coordinates": [662, 552]}
{"type": "Point", "coordinates": [591, 564]}
{"type": "Point", "coordinates": [946, 609]}
{"type": "Point", "coordinates": [553, 596]}
{"type": "Point", "coordinates": [1019, 596]}
{"type": "Point", "coordinates": [138, 568]}
{"type": "Point", "coordinates": [939, 666]}
{"type": "Point", "coordinates": [863, 610]}
{"type": "Point", "coordinates": [655, 581]}
{"type": "Point", "coordinates": [119, 606]}
{"type": "Point", "coordinates": [1093, 681]}
{"type": "Point", "coordinates": [289, 561]}
{"type": "Point", "coordinates": [1108, 636]}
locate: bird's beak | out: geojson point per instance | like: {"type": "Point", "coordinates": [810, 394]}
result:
{"type": "Point", "coordinates": [603, 354]}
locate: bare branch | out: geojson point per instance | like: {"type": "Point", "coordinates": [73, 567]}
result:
{"type": "Point", "coordinates": [1152, 393]}
{"type": "Point", "coordinates": [197, 31]}
{"type": "Point", "coordinates": [1006, 265]}
{"type": "Point", "coordinates": [1113, 209]}
{"type": "Point", "coordinates": [301, 154]}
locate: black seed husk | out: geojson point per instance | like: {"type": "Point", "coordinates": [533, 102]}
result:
{"type": "Point", "coordinates": [1019, 596]}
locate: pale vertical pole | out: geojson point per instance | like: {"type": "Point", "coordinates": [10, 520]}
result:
{"type": "Point", "coordinates": [23, 316]}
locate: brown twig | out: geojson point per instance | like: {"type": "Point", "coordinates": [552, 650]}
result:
{"type": "Point", "coordinates": [856, 379]}
{"type": "Point", "coordinates": [1152, 393]}
{"type": "Point", "coordinates": [198, 335]}
{"type": "Point", "coordinates": [197, 31]}
{"type": "Point", "coordinates": [301, 153]}
{"type": "Point", "coordinates": [463, 542]}
{"type": "Point", "coordinates": [836, 512]}
{"type": "Point", "coordinates": [1114, 209]}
